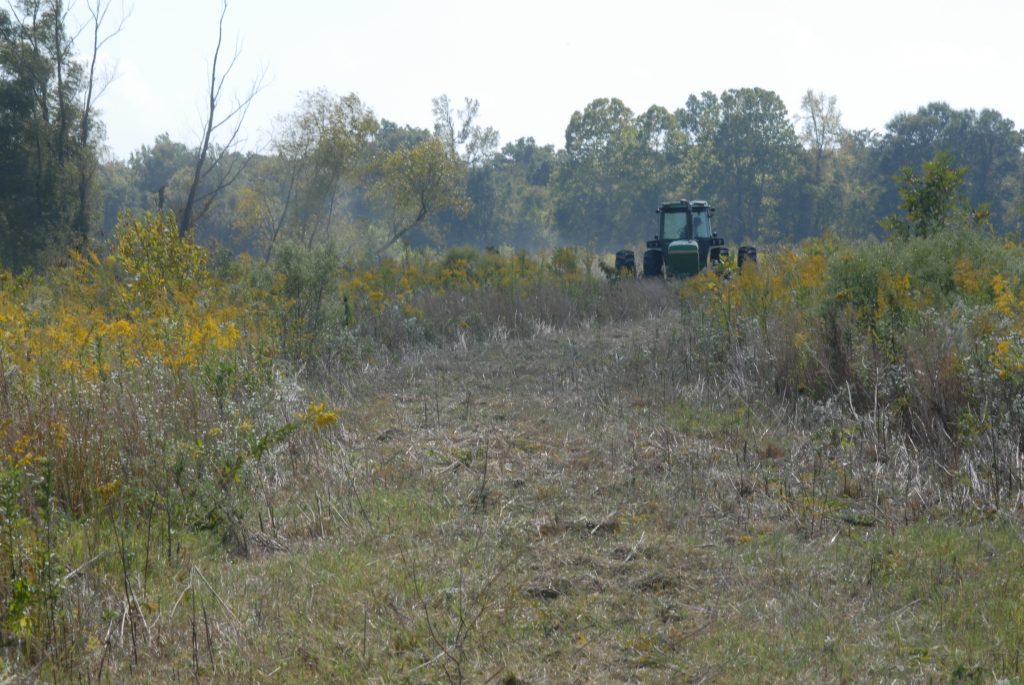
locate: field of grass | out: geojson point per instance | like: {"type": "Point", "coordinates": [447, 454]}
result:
{"type": "Point", "coordinates": [500, 468]}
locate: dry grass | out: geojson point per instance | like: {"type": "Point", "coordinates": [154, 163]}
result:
{"type": "Point", "coordinates": [576, 501]}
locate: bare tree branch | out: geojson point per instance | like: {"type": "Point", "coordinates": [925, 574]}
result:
{"type": "Point", "coordinates": [212, 156]}
{"type": "Point", "coordinates": [98, 11]}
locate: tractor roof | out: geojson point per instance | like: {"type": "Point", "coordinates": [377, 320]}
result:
{"type": "Point", "coordinates": [684, 204]}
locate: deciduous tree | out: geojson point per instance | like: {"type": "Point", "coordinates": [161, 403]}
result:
{"type": "Point", "coordinates": [461, 133]}
{"type": "Point", "coordinates": [928, 200]}
{"type": "Point", "coordinates": [415, 184]}
{"type": "Point", "coordinates": [47, 131]}
{"type": "Point", "coordinates": [320, 152]}
{"type": "Point", "coordinates": [596, 201]}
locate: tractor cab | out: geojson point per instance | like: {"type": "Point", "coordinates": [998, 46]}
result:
{"type": "Point", "coordinates": [685, 243]}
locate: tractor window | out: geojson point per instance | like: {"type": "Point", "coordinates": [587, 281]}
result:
{"type": "Point", "coordinates": [701, 225]}
{"type": "Point", "coordinates": [675, 225]}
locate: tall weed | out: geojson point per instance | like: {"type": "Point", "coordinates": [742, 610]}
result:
{"type": "Point", "coordinates": [930, 329]}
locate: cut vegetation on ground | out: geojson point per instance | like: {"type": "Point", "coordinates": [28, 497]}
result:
{"type": "Point", "coordinates": [498, 468]}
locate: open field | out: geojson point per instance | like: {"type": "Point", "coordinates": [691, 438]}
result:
{"type": "Point", "coordinates": [568, 508]}
{"type": "Point", "coordinates": [364, 401]}
{"type": "Point", "coordinates": [541, 477]}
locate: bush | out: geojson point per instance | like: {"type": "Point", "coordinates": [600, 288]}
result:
{"type": "Point", "coordinates": [305, 279]}
{"type": "Point", "coordinates": [931, 328]}
{"type": "Point", "coordinates": [129, 383]}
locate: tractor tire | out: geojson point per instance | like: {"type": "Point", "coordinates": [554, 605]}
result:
{"type": "Point", "coordinates": [625, 263]}
{"type": "Point", "coordinates": [653, 264]}
{"type": "Point", "coordinates": [747, 253]}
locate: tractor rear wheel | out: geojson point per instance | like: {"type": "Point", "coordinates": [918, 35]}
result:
{"type": "Point", "coordinates": [653, 263]}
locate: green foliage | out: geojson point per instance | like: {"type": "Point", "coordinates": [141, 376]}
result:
{"type": "Point", "coordinates": [145, 452]}
{"type": "Point", "coordinates": [156, 414]}
{"type": "Point", "coordinates": [338, 174]}
{"type": "Point", "coordinates": [596, 202]}
{"type": "Point", "coordinates": [564, 261]}
{"type": "Point", "coordinates": [322, 148]}
{"type": "Point", "coordinates": [929, 201]}
{"type": "Point", "coordinates": [157, 263]}
{"type": "Point", "coordinates": [307, 278]}
{"type": "Point", "coordinates": [755, 148]}
{"type": "Point", "coordinates": [986, 143]}
{"type": "Point", "coordinates": [414, 185]}
{"type": "Point", "coordinates": [156, 165]}
{"type": "Point", "coordinates": [461, 133]}
{"type": "Point", "coordinates": [45, 157]}
{"type": "Point", "coordinates": [512, 198]}
{"type": "Point", "coordinates": [928, 329]}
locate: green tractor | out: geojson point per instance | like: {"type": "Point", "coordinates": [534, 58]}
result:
{"type": "Point", "coordinates": [686, 243]}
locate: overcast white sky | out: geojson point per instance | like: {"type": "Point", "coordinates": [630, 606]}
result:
{"type": "Point", "coordinates": [532, 63]}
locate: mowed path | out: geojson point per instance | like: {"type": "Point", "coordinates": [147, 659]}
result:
{"type": "Point", "coordinates": [611, 530]}
{"type": "Point", "coordinates": [583, 506]}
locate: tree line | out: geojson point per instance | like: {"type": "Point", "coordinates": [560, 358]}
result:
{"type": "Point", "coordinates": [335, 174]}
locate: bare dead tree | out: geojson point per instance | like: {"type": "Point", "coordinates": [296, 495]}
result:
{"type": "Point", "coordinates": [94, 88]}
{"type": "Point", "coordinates": [213, 156]}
